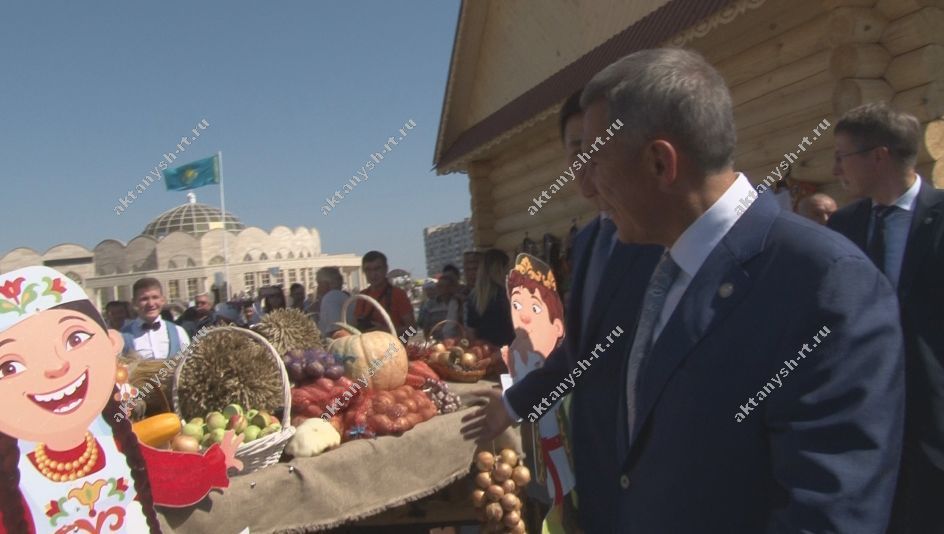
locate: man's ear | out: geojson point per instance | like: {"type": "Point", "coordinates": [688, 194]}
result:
{"type": "Point", "coordinates": [662, 160]}
{"type": "Point", "coordinates": [117, 340]}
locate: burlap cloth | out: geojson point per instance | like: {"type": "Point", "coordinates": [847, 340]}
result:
{"type": "Point", "coordinates": [360, 479]}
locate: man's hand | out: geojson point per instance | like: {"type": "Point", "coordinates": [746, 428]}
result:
{"type": "Point", "coordinates": [488, 422]}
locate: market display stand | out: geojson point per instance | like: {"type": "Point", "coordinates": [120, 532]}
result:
{"type": "Point", "coordinates": [360, 480]}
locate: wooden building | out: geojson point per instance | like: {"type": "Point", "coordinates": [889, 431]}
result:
{"type": "Point", "coordinates": [791, 64]}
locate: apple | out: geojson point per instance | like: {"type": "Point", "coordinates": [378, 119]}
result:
{"type": "Point", "coordinates": [237, 423]}
{"type": "Point", "coordinates": [250, 414]}
{"type": "Point", "coordinates": [192, 430]}
{"type": "Point", "coordinates": [215, 436]}
{"type": "Point", "coordinates": [197, 421]}
{"type": "Point", "coordinates": [260, 419]}
{"type": "Point", "coordinates": [251, 433]}
{"type": "Point", "coordinates": [271, 429]}
{"type": "Point", "coordinates": [184, 443]}
{"type": "Point", "coordinates": [232, 409]}
{"type": "Point", "coordinates": [215, 420]}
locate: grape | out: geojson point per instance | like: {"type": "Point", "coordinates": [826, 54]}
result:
{"type": "Point", "coordinates": [314, 369]}
{"type": "Point", "coordinates": [296, 371]}
{"type": "Point", "coordinates": [334, 372]}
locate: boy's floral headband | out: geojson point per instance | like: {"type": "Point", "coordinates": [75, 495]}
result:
{"type": "Point", "coordinates": [31, 290]}
{"type": "Point", "coordinates": [523, 266]}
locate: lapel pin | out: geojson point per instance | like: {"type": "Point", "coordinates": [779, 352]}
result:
{"type": "Point", "coordinates": [726, 290]}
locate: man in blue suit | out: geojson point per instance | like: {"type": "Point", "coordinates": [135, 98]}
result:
{"type": "Point", "coordinates": [763, 391]}
{"type": "Point", "coordinates": [609, 279]}
{"type": "Point", "coordinates": [900, 225]}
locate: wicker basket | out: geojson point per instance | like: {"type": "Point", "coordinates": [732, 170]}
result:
{"type": "Point", "coordinates": [267, 450]}
{"type": "Point", "coordinates": [449, 372]}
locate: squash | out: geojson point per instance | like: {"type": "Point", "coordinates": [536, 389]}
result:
{"type": "Point", "coordinates": [378, 357]}
{"type": "Point", "coordinates": [157, 430]}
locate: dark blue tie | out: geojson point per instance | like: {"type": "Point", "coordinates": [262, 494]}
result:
{"type": "Point", "coordinates": [598, 260]}
{"type": "Point", "coordinates": [876, 247]}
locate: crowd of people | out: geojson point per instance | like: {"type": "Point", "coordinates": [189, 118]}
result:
{"type": "Point", "coordinates": [715, 299]}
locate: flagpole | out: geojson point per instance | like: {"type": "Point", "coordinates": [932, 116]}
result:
{"type": "Point", "coordinates": [219, 155]}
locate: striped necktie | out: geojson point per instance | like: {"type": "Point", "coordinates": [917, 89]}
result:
{"type": "Point", "coordinates": [663, 277]}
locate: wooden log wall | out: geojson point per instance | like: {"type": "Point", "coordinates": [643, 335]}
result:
{"type": "Point", "coordinates": [790, 65]}
{"type": "Point", "coordinates": [904, 67]}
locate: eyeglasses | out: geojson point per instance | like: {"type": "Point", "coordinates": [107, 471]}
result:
{"type": "Point", "coordinates": [839, 156]}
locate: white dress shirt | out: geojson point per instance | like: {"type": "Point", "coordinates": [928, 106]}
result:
{"type": "Point", "coordinates": [330, 311]}
{"type": "Point", "coordinates": [692, 248]}
{"type": "Point", "coordinates": [155, 344]}
{"type": "Point", "coordinates": [897, 224]}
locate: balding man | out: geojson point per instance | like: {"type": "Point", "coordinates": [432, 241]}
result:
{"type": "Point", "coordinates": [817, 207]}
{"type": "Point", "coordinates": [731, 419]}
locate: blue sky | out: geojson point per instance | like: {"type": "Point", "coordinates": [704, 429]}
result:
{"type": "Point", "coordinates": [297, 96]}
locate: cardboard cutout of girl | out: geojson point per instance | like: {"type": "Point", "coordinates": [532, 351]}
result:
{"type": "Point", "coordinates": [69, 461]}
{"type": "Point", "coordinates": [538, 317]}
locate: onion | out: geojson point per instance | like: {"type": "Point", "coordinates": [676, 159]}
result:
{"type": "Point", "coordinates": [484, 461]}
{"type": "Point", "coordinates": [483, 480]}
{"type": "Point", "coordinates": [510, 457]}
{"type": "Point", "coordinates": [494, 492]}
{"type": "Point", "coordinates": [509, 486]}
{"type": "Point", "coordinates": [521, 475]}
{"type": "Point", "coordinates": [478, 498]}
{"type": "Point", "coordinates": [502, 472]}
{"type": "Point", "coordinates": [494, 512]}
{"type": "Point", "coordinates": [510, 502]}
{"type": "Point", "coordinates": [511, 519]}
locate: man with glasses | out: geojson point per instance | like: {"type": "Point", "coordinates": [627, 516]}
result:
{"type": "Point", "coordinates": [900, 224]}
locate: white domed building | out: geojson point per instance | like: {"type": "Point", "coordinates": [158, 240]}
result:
{"type": "Point", "coordinates": [183, 248]}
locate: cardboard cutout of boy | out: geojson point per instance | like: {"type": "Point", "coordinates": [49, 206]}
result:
{"type": "Point", "coordinates": [69, 461]}
{"type": "Point", "coordinates": [538, 317]}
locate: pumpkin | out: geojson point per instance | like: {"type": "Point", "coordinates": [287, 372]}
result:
{"type": "Point", "coordinates": [378, 357]}
{"type": "Point", "coordinates": [157, 430]}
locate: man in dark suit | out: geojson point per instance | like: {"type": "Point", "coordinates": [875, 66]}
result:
{"type": "Point", "coordinates": [764, 387]}
{"type": "Point", "coordinates": [608, 283]}
{"type": "Point", "coordinates": [900, 225]}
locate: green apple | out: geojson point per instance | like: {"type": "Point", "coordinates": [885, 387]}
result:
{"type": "Point", "coordinates": [271, 429]}
{"type": "Point", "coordinates": [216, 420]}
{"type": "Point", "coordinates": [193, 430]}
{"type": "Point", "coordinates": [232, 409]}
{"type": "Point", "coordinates": [216, 435]}
{"type": "Point", "coordinates": [197, 421]}
{"type": "Point", "coordinates": [251, 433]}
{"type": "Point", "coordinates": [260, 419]}
{"type": "Point", "coordinates": [250, 414]}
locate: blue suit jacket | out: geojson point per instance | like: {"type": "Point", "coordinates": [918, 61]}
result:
{"type": "Point", "coordinates": [817, 454]}
{"type": "Point", "coordinates": [920, 292]}
{"type": "Point", "coordinates": [595, 391]}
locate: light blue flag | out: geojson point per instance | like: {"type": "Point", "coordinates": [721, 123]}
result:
{"type": "Point", "coordinates": [193, 175]}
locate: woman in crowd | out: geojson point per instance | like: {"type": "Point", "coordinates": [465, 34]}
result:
{"type": "Point", "coordinates": [487, 310]}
